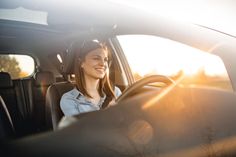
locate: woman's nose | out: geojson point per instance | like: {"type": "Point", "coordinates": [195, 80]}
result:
{"type": "Point", "coordinates": [102, 62]}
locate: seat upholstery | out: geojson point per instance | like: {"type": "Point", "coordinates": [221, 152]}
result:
{"type": "Point", "coordinates": [6, 87]}
{"type": "Point", "coordinates": [53, 97]}
{"type": "Point", "coordinates": [8, 93]}
{"type": "Point", "coordinates": [55, 91]}
{"type": "Point", "coordinates": [6, 125]}
{"type": "Point", "coordinates": [5, 80]}
{"type": "Point", "coordinates": [42, 80]}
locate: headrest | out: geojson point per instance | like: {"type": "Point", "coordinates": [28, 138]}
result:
{"type": "Point", "coordinates": [69, 55]}
{"type": "Point", "coordinates": [44, 78]}
{"type": "Point", "coordinates": [5, 80]}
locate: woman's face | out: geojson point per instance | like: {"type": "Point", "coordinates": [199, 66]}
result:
{"type": "Point", "coordinates": [95, 64]}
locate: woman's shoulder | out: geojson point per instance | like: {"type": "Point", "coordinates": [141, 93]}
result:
{"type": "Point", "coordinates": [71, 94]}
{"type": "Point", "coordinates": [69, 97]}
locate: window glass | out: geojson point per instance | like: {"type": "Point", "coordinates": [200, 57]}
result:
{"type": "Point", "coordinates": [24, 15]}
{"type": "Point", "coordinates": [18, 66]}
{"type": "Point", "coordinates": [148, 55]}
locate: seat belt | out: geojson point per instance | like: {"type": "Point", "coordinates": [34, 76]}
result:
{"type": "Point", "coordinates": [106, 102]}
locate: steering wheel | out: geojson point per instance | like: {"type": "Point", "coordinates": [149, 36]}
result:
{"type": "Point", "coordinates": [145, 81]}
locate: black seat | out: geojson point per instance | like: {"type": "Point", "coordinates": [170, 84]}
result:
{"type": "Point", "coordinates": [42, 80]}
{"type": "Point", "coordinates": [56, 90]}
{"type": "Point", "coordinates": [8, 93]}
{"type": "Point", "coordinates": [6, 126]}
{"type": "Point", "coordinates": [53, 97]}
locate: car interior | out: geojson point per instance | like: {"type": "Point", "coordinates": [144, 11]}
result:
{"type": "Point", "coordinates": [33, 102]}
{"type": "Point", "coordinates": [152, 120]}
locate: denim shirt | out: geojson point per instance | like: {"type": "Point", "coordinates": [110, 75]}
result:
{"type": "Point", "coordinates": [74, 102]}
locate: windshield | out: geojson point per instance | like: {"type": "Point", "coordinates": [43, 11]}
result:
{"type": "Point", "coordinates": [151, 55]}
{"type": "Point", "coordinates": [218, 15]}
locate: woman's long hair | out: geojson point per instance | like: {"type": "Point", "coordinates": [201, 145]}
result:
{"type": "Point", "coordinates": [105, 86]}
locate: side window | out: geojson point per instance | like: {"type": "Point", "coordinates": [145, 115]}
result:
{"type": "Point", "coordinates": [18, 66]}
{"type": "Point", "coordinates": [149, 55]}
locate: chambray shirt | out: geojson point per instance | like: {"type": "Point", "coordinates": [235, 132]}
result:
{"type": "Point", "coordinates": [74, 102]}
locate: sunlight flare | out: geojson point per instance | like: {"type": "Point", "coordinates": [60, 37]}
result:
{"type": "Point", "coordinates": [164, 92]}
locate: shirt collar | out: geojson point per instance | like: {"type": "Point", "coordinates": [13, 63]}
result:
{"type": "Point", "coordinates": [76, 93]}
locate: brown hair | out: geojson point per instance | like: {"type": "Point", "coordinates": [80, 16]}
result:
{"type": "Point", "coordinates": [80, 54]}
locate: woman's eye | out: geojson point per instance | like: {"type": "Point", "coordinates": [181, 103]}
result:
{"type": "Point", "coordinates": [100, 59]}
{"type": "Point", "coordinates": [97, 59]}
{"type": "Point", "coordinates": [106, 60]}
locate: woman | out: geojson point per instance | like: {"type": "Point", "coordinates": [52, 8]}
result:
{"type": "Point", "coordinates": [93, 90]}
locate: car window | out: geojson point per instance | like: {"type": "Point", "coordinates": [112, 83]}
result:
{"type": "Point", "coordinates": [24, 15]}
{"type": "Point", "coordinates": [18, 66]}
{"type": "Point", "coordinates": [149, 55]}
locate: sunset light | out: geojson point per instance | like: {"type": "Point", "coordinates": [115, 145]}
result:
{"type": "Point", "coordinates": [150, 54]}
{"type": "Point", "coordinates": [170, 60]}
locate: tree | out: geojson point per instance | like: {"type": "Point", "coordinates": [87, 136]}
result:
{"type": "Point", "coordinates": [10, 65]}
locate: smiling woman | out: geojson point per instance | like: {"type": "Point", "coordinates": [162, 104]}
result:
{"type": "Point", "coordinates": [147, 119]}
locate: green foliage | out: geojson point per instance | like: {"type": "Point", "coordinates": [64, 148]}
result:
{"type": "Point", "coordinates": [10, 65]}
